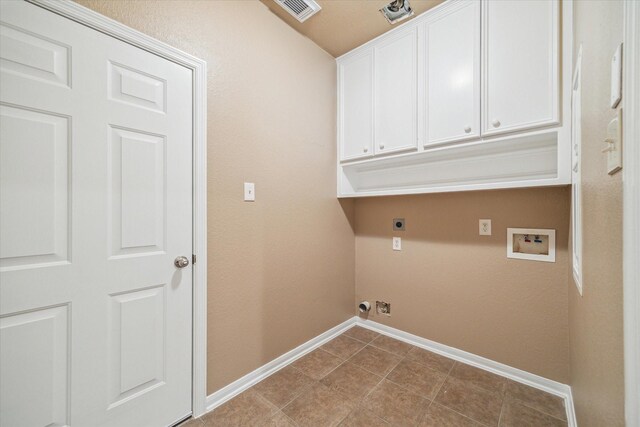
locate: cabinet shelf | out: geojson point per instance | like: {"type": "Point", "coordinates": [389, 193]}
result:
{"type": "Point", "coordinates": [521, 161]}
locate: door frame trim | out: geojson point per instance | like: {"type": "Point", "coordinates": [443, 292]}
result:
{"type": "Point", "coordinates": [117, 30]}
{"type": "Point", "coordinates": [631, 210]}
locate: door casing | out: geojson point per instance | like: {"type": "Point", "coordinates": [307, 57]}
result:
{"type": "Point", "coordinates": [98, 22]}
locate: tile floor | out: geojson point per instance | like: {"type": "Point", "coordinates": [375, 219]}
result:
{"type": "Point", "coordinates": [362, 378]}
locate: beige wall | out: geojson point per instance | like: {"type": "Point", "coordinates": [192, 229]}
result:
{"type": "Point", "coordinates": [450, 285]}
{"type": "Point", "coordinates": [281, 270]}
{"type": "Point", "coordinates": [595, 319]}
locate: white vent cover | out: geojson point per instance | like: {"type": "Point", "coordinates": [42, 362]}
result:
{"type": "Point", "coordinates": [300, 9]}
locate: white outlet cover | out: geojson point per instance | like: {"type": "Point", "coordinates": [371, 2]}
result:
{"type": "Point", "coordinates": [484, 227]}
{"type": "Point", "coordinates": [397, 243]}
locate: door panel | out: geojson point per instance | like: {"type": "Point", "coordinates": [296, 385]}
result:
{"type": "Point", "coordinates": [396, 93]}
{"type": "Point", "coordinates": [34, 345]}
{"type": "Point", "coordinates": [34, 172]}
{"type": "Point", "coordinates": [137, 342]}
{"type": "Point", "coordinates": [137, 192]}
{"type": "Point", "coordinates": [96, 203]}
{"type": "Point", "coordinates": [29, 56]}
{"type": "Point", "coordinates": [521, 50]}
{"type": "Point", "coordinates": [453, 74]}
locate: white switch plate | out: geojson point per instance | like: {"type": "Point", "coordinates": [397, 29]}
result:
{"type": "Point", "coordinates": [616, 77]}
{"type": "Point", "coordinates": [249, 192]}
{"type": "Point", "coordinates": [485, 227]}
{"type": "Point", "coordinates": [614, 144]}
{"type": "Point", "coordinates": [397, 243]}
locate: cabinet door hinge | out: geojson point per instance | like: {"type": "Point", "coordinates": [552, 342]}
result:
{"type": "Point", "coordinates": [193, 258]}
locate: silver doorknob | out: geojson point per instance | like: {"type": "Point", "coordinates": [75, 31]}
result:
{"type": "Point", "coordinates": [467, 129]}
{"type": "Point", "coordinates": [495, 123]}
{"type": "Point", "coordinates": [181, 262]}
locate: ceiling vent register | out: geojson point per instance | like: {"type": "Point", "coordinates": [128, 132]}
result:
{"type": "Point", "coordinates": [300, 9]}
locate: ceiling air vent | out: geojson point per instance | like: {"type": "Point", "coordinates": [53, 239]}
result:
{"type": "Point", "coordinates": [300, 9]}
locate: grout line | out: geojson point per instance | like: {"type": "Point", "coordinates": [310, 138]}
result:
{"type": "Point", "coordinates": [539, 410]}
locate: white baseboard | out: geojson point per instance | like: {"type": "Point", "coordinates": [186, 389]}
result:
{"type": "Point", "coordinates": [518, 375]}
{"type": "Point", "coordinates": [226, 393]}
{"type": "Point", "coordinates": [230, 391]}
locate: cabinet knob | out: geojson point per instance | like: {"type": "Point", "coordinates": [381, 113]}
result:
{"type": "Point", "coordinates": [382, 146]}
{"type": "Point", "coordinates": [467, 129]}
{"type": "Point", "coordinates": [365, 149]}
{"type": "Point", "coordinates": [496, 123]}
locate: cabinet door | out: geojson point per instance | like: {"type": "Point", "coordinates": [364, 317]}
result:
{"type": "Point", "coordinates": [520, 60]}
{"type": "Point", "coordinates": [453, 73]}
{"type": "Point", "coordinates": [396, 93]}
{"type": "Point", "coordinates": [356, 106]}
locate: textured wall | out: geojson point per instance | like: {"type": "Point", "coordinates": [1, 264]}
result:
{"type": "Point", "coordinates": [281, 270]}
{"type": "Point", "coordinates": [595, 319]}
{"type": "Point", "coordinates": [450, 285]}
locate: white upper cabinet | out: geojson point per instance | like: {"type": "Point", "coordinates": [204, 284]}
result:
{"type": "Point", "coordinates": [466, 96]}
{"type": "Point", "coordinates": [355, 106]}
{"type": "Point", "coordinates": [396, 92]}
{"type": "Point", "coordinates": [520, 65]}
{"type": "Point", "coordinates": [452, 51]}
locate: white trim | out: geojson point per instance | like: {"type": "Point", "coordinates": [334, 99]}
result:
{"type": "Point", "coordinates": [518, 375]}
{"type": "Point", "coordinates": [631, 210]}
{"type": "Point", "coordinates": [252, 378]}
{"type": "Point", "coordinates": [89, 18]}
{"type": "Point", "coordinates": [576, 172]}
{"type": "Point", "coordinates": [230, 391]}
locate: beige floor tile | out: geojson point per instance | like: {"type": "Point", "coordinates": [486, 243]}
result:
{"type": "Point", "coordinates": [478, 377]}
{"type": "Point", "coordinates": [283, 386]}
{"type": "Point", "coordinates": [478, 404]}
{"type": "Point", "coordinates": [317, 364]}
{"type": "Point", "coordinates": [351, 381]}
{"type": "Point", "coordinates": [395, 404]}
{"type": "Point", "coordinates": [431, 359]}
{"type": "Point", "coordinates": [343, 346]}
{"type": "Point", "coordinates": [392, 345]}
{"type": "Point", "coordinates": [246, 409]}
{"type": "Point", "coordinates": [319, 406]}
{"type": "Point", "coordinates": [192, 422]}
{"type": "Point", "coordinates": [537, 399]}
{"type": "Point", "coordinates": [279, 420]}
{"type": "Point", "coordinates": [417, 378]}
{"type": "Point", "coordinates": [361, 417]}
{"type": "Point", "coordinates": [439, 416]}
{"type": "Point", "coordinates": [361, 334]}
{"type": "Point", "coordinates": [515, 414]}
{"type": "Point", "coordinates": [374, 360]}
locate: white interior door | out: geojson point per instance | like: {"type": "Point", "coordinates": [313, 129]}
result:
{"type": "Point", "coordinates": [95, 205]}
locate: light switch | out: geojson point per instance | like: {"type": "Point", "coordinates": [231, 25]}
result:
{"type": "Point", "coordinates": [249, 192]}
{"type": "Point", "coordinates": [613, 149]}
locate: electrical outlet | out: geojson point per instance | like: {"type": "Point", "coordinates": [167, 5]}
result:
{"type": "Point", "coordinates": [397, 244]}
{"type": "Point", "coordinates": [485, 227]}
{"type": "Point", "coordinates": [383, 308]}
